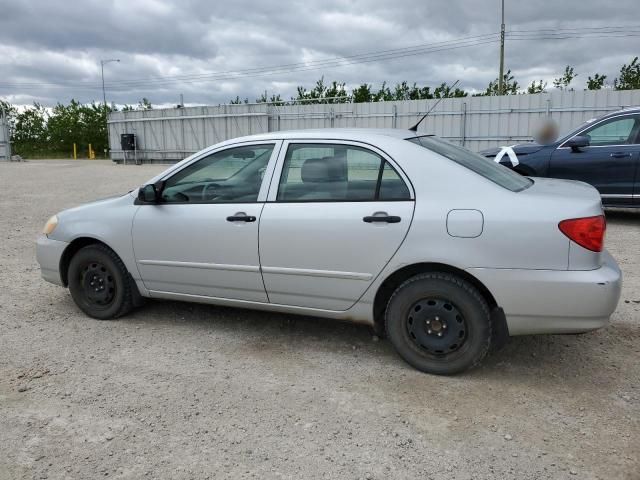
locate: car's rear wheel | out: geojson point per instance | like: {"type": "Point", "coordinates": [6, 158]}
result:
{"type": "Point", "coordinates": [99, 283]}
{"type": "Point", "coordinates": [439, 323]}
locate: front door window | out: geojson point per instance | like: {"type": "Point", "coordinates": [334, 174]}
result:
{"type": "Point", "coordinates": [229, 176]}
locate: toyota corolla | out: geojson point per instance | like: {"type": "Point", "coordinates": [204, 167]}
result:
{"type": "Point", "coordinates": [445, 251]}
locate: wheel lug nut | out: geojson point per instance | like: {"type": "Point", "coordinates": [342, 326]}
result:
{"type": "Point", "coordinates": [439, 334]}
{"type": "Point", "coordinates": [437, 318]}
{"type": "Point", "coordinates": [429, 332]}
{"type": "Point", "coordinates": [444, 325]}
{"type": "Point", "coordinates": [428, 322]}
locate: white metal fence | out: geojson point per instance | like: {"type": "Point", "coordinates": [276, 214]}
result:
{"type": "Point", "coordinates": [5, 144]}
{"type": "Point", "coordinates": [476, 122]}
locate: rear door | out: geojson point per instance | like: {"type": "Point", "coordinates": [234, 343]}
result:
{"type": "Point", "coordinates": [202, 239]}
{"type": "Point", "coordinates": [336, 214]}
{"type": "Point", "coordinates": [609, 163]}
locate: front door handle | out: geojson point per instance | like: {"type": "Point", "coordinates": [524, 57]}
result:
{"type": "Point", "coordinates": [620, 155]}
{"type": "Point", "coordinates": [241, 217]}
{"type": "Point", "coordinates": [382, 218]}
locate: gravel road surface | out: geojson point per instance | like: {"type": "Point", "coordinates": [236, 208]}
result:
{"type": "Point", "coordinates": [185, 391]}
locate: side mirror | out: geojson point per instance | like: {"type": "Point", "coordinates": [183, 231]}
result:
{"type": "Point", "coordinates": [578, 142]}
{"type": "Point", "coordinates": [148, 194]}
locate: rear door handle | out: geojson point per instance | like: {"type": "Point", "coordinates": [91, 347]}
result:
{"type": "Point", "coordinates": [241, 217]}
{"type": "Point", "coordinates": [382, 218]}
{"type": "Point", "coordinates": [620, 155]}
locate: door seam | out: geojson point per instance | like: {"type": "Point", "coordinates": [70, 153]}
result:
{"type": "Point", "coordinates": [264, 285]}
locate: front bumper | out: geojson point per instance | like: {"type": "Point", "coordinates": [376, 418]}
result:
{"type": "Point", "coordinates": [48, 253]}
{"type": "Point", "coordinates": [555, 301]}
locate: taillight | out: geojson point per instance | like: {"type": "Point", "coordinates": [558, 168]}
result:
{"type": "Point", "coordinates": [587, 232]}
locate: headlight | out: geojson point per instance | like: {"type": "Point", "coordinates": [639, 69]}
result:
{"type": "Point", "coordinates": [51, 225]}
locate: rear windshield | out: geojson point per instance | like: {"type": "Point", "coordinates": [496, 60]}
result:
{"type": "Point", "coordinates": [481, 165]}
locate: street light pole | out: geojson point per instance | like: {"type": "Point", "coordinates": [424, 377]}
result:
{"type": "Point", "coordinates": [104, 97]}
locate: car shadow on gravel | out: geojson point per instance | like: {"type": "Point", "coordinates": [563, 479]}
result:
{"type": "Point", "coordinates": [523, 359]}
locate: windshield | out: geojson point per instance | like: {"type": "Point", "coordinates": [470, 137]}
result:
{"type": "Point", "coordinates": [483, 166]}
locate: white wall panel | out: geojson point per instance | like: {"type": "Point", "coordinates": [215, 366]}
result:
{"type": "Point", "coordinates": [477, 122]}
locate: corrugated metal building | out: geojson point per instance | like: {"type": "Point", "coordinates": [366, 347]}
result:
{"type": "Point", "coordinates": [169, 135]}
{"type": "Point", "coordinates": [5, 144]}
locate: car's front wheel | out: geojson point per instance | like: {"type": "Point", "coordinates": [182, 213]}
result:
{"type": "Point", "coordinates": [99, 283]}
{"type": "Point", "coordinates": [439, 323]}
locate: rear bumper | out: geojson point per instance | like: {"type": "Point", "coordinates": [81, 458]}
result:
{"type": "Point", "coordinates": [555, 301]}
{"type": "Point", "coordinates": [48, 253]}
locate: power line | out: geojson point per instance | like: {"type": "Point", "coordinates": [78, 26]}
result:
{"type": "Point", "coordinates": [286, 68]}
{"type": "Point", "coordinates": [549, 36]}
{"type": "Point", "coordinates": [309, 68]}
{"type": "Point", "coordinates": [578, 29]}
{"type": "Point", "coordinates": [369, 57]}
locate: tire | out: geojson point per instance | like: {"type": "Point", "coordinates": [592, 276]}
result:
{"type": "Point", "coordinates": [439, 323]}
{"type": "Point", "coordinates": [99, 283]}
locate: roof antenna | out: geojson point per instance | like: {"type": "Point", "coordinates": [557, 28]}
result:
{"type": "Point", "coordinates": [415, 127]}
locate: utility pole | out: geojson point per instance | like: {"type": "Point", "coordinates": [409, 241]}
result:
{"type": "Point", "coordinates": [104, 97]}
{"type": "Point", "coordinates": [501, 76]}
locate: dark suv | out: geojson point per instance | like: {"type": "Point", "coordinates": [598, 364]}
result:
{"type": "Point", "coordinates": [604, 152]}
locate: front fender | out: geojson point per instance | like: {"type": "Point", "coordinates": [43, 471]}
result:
{"type": "Point", "coordinates": [107, 221]}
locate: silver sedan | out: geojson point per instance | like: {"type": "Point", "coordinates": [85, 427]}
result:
{"type": "Point", "coordinates": [443, 250]}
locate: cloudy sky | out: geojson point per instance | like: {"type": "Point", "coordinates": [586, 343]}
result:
{"type": "Point", "coordinates": [211, 50]}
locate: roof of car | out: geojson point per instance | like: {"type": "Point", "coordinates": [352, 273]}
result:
{"type": "Point", "coordinates": [623, 110]}
{"type": "Point", "coordinates": [332, 133]}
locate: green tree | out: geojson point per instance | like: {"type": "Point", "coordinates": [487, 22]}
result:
{"type": "Point", "coordinates": [444, 91]}
{"type": "Point", "coordinates": [144, 104]}
{"type": "Point", "coordinates": [237, 101]}
{"type": "Point", "coordinates": [335, 92]}
{"type": "Point", "coordinates": [629, 76]}
{"type": "Point", "coordinates": [362, 94]}
{"type": "Point", "coordinates": [596, 82]}
{"type": "Point", "coordinates": [537, 87]}
{"type": "Point", "coordinates": [30, 131]}
{"type": "Point", "coordinates": [384, 94]}
{"type": "Point", "coordinates": [509, 86]}
{"type": "Point", "coordinates": [563, 82]}
{"type": "Point", "coordinates": [420, 93]}
{"type": "Point", "coordinates": [402, 91]}
{"type": "Point", "coordinates": [274, 99]}
{"type": "Point", "coordinates": [79, 124]}
{"type": "Point", "coordinates": [7, 108]}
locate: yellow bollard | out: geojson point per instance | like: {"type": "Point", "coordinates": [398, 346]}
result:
{"type": "Point", "coordinates": [75, 152]}
{"type": "Point", "coordinates": [90, 153]}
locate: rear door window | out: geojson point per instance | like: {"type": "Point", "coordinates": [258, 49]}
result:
{"type": "Point", "coordinates": [338, 173]}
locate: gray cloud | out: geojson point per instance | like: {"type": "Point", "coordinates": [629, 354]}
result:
{"type": "Point", "coordinates": [50, 49]}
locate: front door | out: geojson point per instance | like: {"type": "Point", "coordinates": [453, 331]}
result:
{"type": "Point", "coordinates": [334, 219]}
{"type": "Point", "coordinates": [202, 238]}
{"type": "Point", "coordinates": [610, 161]}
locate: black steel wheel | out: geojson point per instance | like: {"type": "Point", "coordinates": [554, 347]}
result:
{"type": "Point", "coordinates": [99, 283]}
{"type": "Point", "coordinates": [439, 323]}
{"type": "Point", "coordinates": [437, 326]}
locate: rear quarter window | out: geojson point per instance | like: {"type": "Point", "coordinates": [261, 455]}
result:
{"type": "Point", "coordinates": [483, 166]}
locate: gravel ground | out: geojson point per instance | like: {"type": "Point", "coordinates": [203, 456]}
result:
{"type": "Point", "coordinates": [180, 390]}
